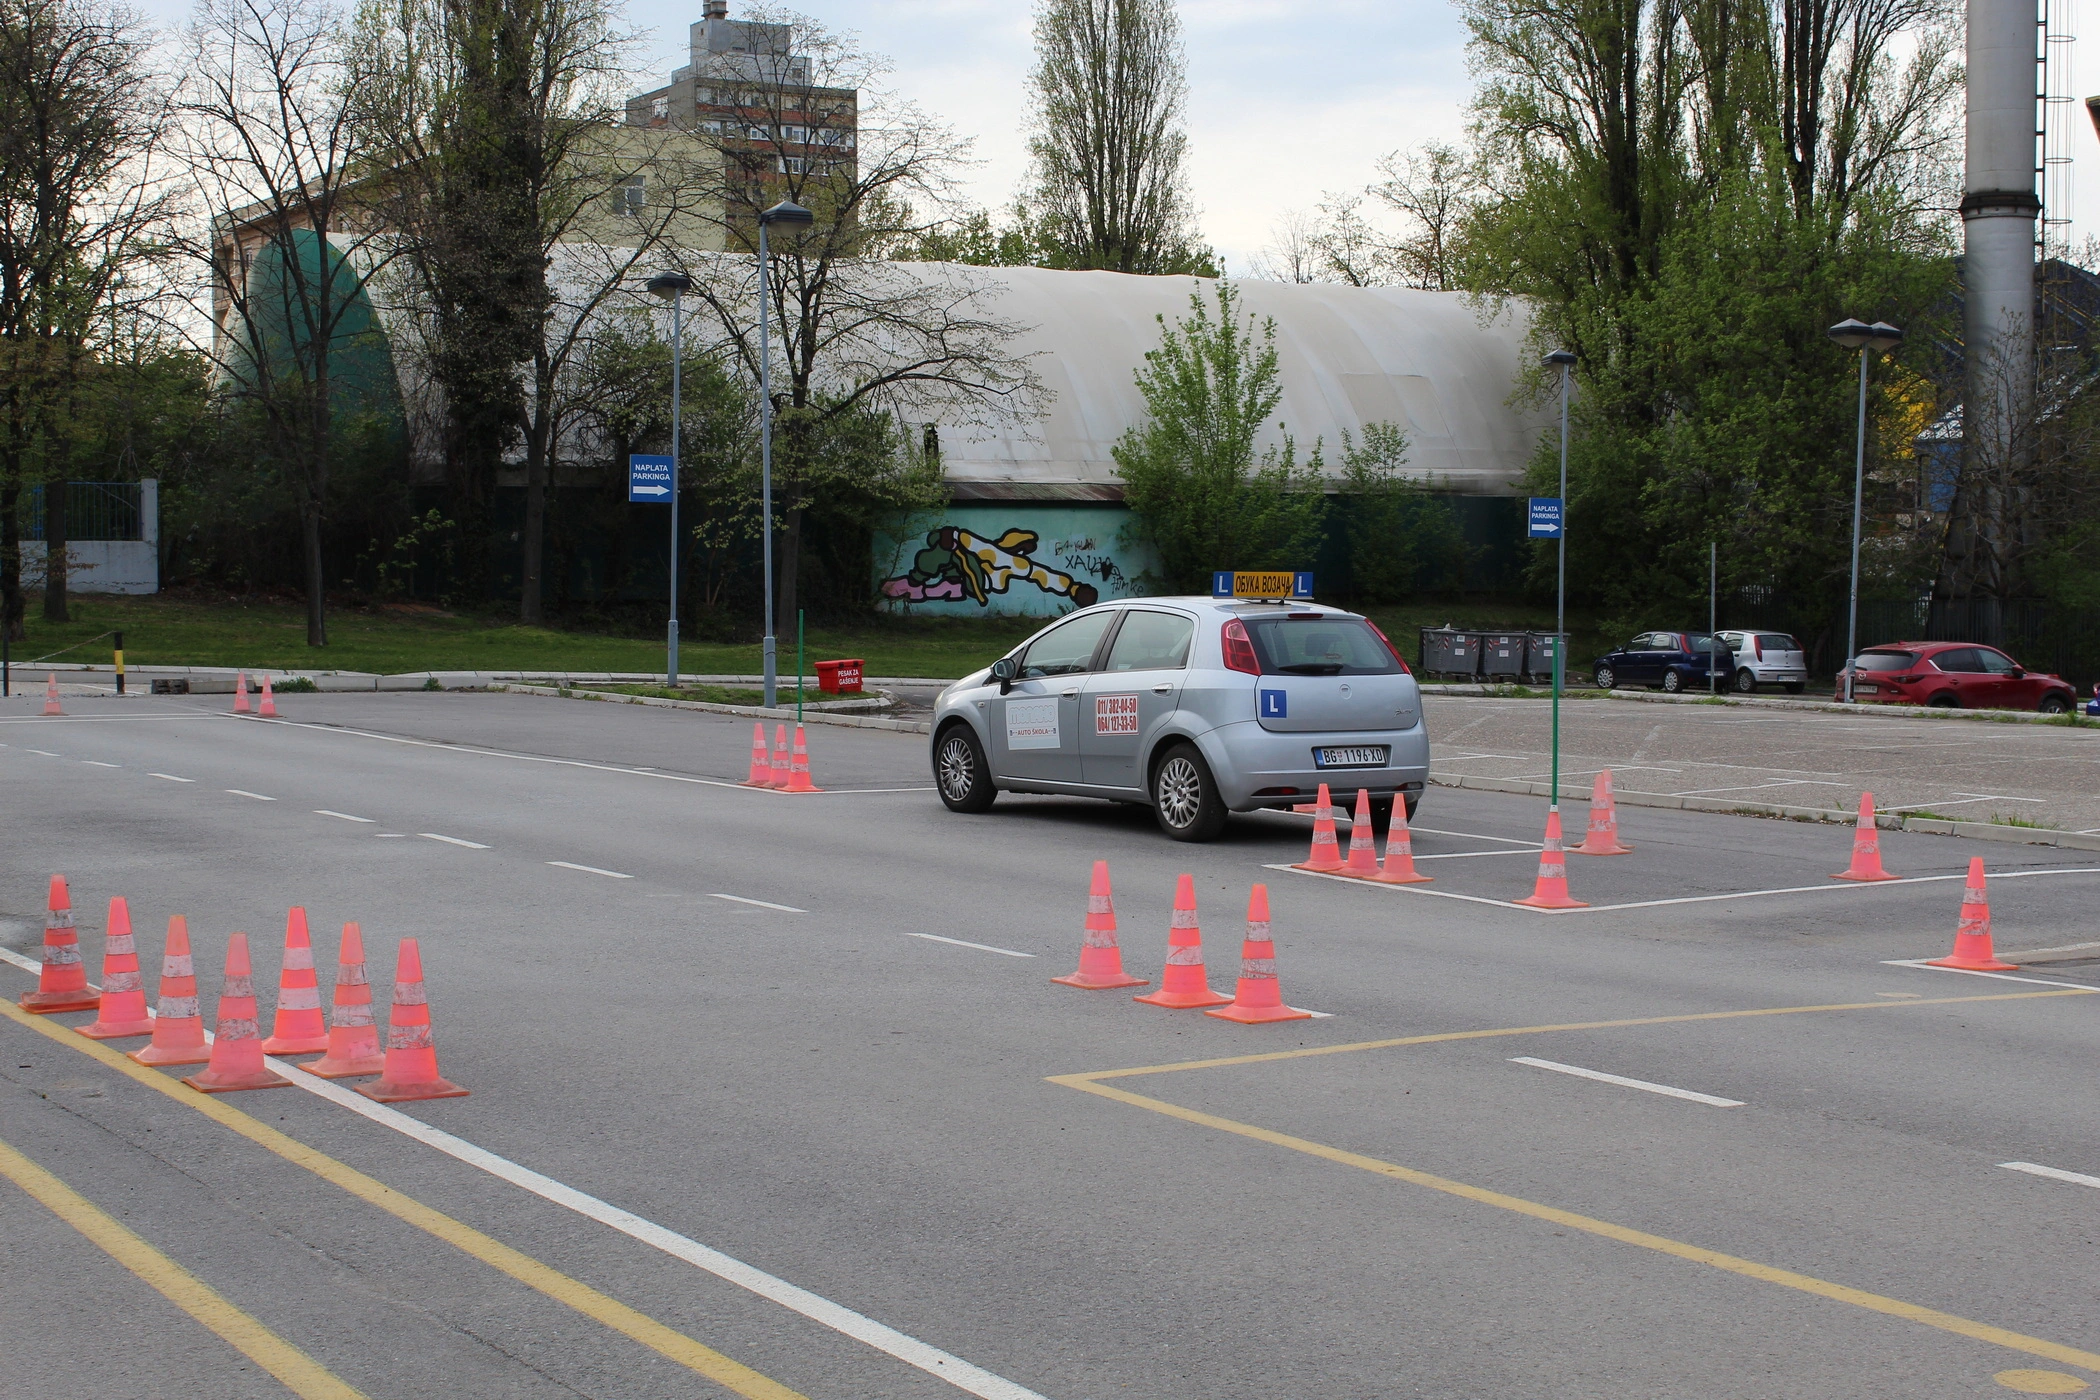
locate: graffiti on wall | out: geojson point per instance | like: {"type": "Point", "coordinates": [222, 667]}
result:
{"type": "Point", "coordinates": [1025, 559]}
{"type": "Point", "coordinates": [957, 565]}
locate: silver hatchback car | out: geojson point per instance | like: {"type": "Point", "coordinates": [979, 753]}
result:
{"type": "Point", "coordinates": [1197, 707]}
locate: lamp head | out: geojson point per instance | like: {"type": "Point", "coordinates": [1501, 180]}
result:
{"type": "Point", "coordinates": [1562, 358]}
{"type": "Point", "coordinates": [1852, 334]}
{"type": "Point", "coordinates": [670, 284]}
{"type": "Point", "coordinates": [787, 214]}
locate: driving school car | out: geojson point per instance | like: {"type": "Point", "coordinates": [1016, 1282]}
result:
{"type": "Point", "coordinates": [1196, 707]}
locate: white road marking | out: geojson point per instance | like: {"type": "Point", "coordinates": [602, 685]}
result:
{"type": "Point", "coordinates": [2037, 952]}
{"type": "Point", "coordinates": [1957, 801]}
{"type": "Point", "coordinates": [237, 792]}
{"type": "Point", "coordinates": [590, 870]}
{"type": "Point", "coordinates": [452, 840]}
{"type": "Point", "coordinates": [1462, 855]}
{"type": "Point", "coordinates": [1925, 964]}
{"type": "Point", "coordinates": [45, 752]}
{"type": "Point", "coordinates": [2055, 1173]}
{"type": "Point", "coordinates": [980, 947]}
{"type": "Point", "coordinates": [171, 777]}
{"type": "Point", "coordinates": [343, 816]}
{"type": "Point", "coordinates": [98, 763]}
{"type": "Point", "coordinates": [391, 835]}
{"type": "Point", "coordinates": [1603, 1078]}
{"type": "Point", "coordinates": [1476, 836]}
{"type": "Point", "coordinates": [972, 1380]}
{"type": "Point", "coordinates": [763, 904]}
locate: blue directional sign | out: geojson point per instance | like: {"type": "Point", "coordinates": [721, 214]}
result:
{"type": "Point", "coordinates": [1545, 517]}
{"type": "Point", "coordinates": [649, 480]}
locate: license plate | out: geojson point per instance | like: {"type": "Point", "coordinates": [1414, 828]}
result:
{"type": "Point", "coordinates": [1369, 756]}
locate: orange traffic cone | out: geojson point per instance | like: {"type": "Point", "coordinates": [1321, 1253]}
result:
{"type": "Point", "coordinates": [778, 773]}
{"type": "Point", "coordinates": [411, 1059]}
{"type": "Point", "coordinates": [1551, 891]}
{"type": "Point", "coordinates": [353, 1041]}
{"type": "Point", "coordinates": [761, 766]}
{"type": "Point", "coordinates": [240, 692]}
{"type": "Point", "coordinates": [62, 983]}
{"type": "Point", "coordinates": [1602, 839]}
{"type": "Point", "coordinates": [1326, 852]}
{"type": "Point", "coordinates": [1184, 983]}
{"type": "Point", "coordinates": [51, 705]}
{"type": "Point", "coordinates": [798, 768]}
{"type": "Point", "coordinates": [1399, 866]}
{"type": "Point", "coordinates": [1259, 997]}
{"type": "Point", "coordinates": [236, 1049]}
{"type": "Point", "coordinates": [299, 1029]}
{"type": "Point", "coordinates": [1972, 937]}
{"type": "Point", "coordinates": [1363, 843]}
{"type": "Point", "coordinates": [178, 1031]}
{"type": "Point", "coordinates": [123, 993]}
{"type": "Point", "coordinates": [1866, 846]}
{"type": "Point", "coordinates": [268, 708]}
{"type": "Point", "coordinates": [1100, 957]}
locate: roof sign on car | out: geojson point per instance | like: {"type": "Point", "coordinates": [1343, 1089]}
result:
{"type": "Point", "coordinates": [1261, 583]}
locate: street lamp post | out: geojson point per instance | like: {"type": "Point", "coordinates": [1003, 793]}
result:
{"type": "Point", "coordinates": [789, 215]}
{"type": "Point", "coordinates": [1857, 335]}
{"type": "Point", "coordinates": [673, 286]}
{"type": "Point", "coordinates": [1566, 362]}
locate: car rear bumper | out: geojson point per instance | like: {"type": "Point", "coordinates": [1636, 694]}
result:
{"type": "Point", "coordinates": [1777, 675]}
{"type": "Point", "coordinates": [1255, 766]}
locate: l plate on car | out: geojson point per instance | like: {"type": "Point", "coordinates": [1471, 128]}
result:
{"type": "Point", "coordinates": [1365, 756]}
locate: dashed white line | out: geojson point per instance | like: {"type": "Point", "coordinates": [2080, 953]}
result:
{"type": "Point", "coordinates": [980, 947]}
{"type": "Point", "coordinates": [45, 752]}
{"type": "Point", "coordinates": [763, 904]}
{"type": "Point", "coordinates": [452, 840]}
{"type": "Point", "coordinates": [590, 870]}
{"type": "Point", "coordinates": [343, 816]}
{"type": "Point", "coordinates": [391, 835]}
{"type": "Point", "coordinates": [2054, 1173]}
{"type": "Point", "coordinates": [1621, 1080]}
{"type": "Point", "coordinates": [237, 792]}
{"type": "Point", "coordinates": [171, 777]}
{"type": "Point", "coordinates": [98, 763]}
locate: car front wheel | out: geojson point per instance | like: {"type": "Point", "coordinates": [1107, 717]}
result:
{"type": "Point", "coordinates": [1945, 700]}
{"type": "Point", "coordinates": [1672, 682]}
{"type": "Point", "coordinates": [1185, 796]}
{"type": "Point", "coordinates": [1745, 683]}
{"type": "Point", "coordinates": [2055, 705]}
{"type": "Point", "coordinates": [960, 772]}
{"type": "Point", "coordinates": [1605, 678]}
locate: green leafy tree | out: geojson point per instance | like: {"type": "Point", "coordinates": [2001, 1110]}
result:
{"type": "Point", "coordinates": [1403, 540]}
{"type": "Point", "coordinates": [1200, 493]}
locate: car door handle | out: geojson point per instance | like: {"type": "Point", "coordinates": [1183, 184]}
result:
{"type": "Point", "coordinates": [1162, 689]}
{"type": "Point", "coordinates": [1072, 692]}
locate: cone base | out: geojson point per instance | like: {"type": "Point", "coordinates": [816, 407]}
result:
{"type": "Point", "coordinates": [1321, 868]}
{"type": "Point", "coordinates": [328, 1067]}
{"type": "Point", "coordinates": [756, 783]}
{"type": "Point", "coordinates": [1257, 1015]}
{"type": "Point", "coordinates": [1184, 1001]}
{"type": "Point", "coordinates": [1092, 983]}
{"type": "Point", "coordinates": [1864, 876]}
{"type": "Point", "coordinates": [233, 1083]}
{"type": "Point", "coordinates": [51, 1003]}
{"type": "Point", "coordinates": [1412, 877]}
{"type": "Point", "coordinates": [1585, 850]}
{"type": "Point", "coordinates": [114, 1030]}
{"type": "Point", "coordinates": [1985, 964]}
{"type": "Point", "coordinates": [1548, 901]}
{"type": "Point", "coordinates": [161, 1055]}
{"type": "Point", "coordinates": [386, 1091]}
{"type": "Point", "coordinates": [801, 789]}
{"type": "Point", "coordinates": [1360, 872]}
{"type": "Point", "coordinates": [295, 1044]}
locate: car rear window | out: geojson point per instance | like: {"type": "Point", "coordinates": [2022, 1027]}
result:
{"type": "Point", "coordinates": [1777, 641]}
{"type": "Point", "coordinates": [1886, 660]}
{"type": "Point", "coordinates": [1320, 645]}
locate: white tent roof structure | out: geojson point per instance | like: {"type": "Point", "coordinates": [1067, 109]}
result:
{"type": "Point", "coordinates": [1438, 364]}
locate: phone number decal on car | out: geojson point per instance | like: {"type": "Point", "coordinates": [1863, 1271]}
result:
{"type": "Point", "coordinates": [1115, 714]}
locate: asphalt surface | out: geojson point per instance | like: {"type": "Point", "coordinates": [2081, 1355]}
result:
{"type": "Point", "coordinates": [1970, 769]}
{"type": "Point", "coordinates": [924, 1132]}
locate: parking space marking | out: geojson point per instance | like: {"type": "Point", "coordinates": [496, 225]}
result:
{"type": "Point", "coordinates": [238, 792]}
{"type": "Point", "coordinates": [171, 777]}
{"type": "Point", "coordinates": [942, 1365]}
{"type": "Point", "coordinates": [980, 947]}
{"type": "Point", "coordinates": [98, 763]}
{"type": "Point", "coordinates": [300, 1373]}
{"type": "Point", "coordinates": [452, 840]}
{"type": "Point", "coordinates": [2054, 1173]}
{"type": "Point", "coordinates": [2064, 948]}
{"type": "Point", "coordinates": [45, 752]}
{"type": "Point", "coordinates": [1476, 836]}
{"type": "Point", "coordinates": [590, 869]}
{"type": "Point", "coordinates": [343, 816]}
{"type": "Point", "coordinates": [763, 904]}
{"type": "Point", "coordinates": [1601, 1077]}
{"type": "Point", "coordinates": [1926, 965]}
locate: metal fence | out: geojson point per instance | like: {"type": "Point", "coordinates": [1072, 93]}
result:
{"type": "Point", "coordinates": [95, 510]}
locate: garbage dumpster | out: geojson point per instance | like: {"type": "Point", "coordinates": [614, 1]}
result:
{"type": "Point", "coordinates": [839, 677]}
{"type": "Point", "coordinates": [1538, 655]}
{"type": "Point", "coordinates": [1450, 653]}
{"type": "Point", "coordinates": [1502, 655]}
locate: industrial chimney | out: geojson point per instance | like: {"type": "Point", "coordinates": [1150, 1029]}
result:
{"type": "Point", "coordinates": [1998, 209]}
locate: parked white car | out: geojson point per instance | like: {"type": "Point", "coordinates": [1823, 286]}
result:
{"type": "Point", "coordinates": [1767, 658]}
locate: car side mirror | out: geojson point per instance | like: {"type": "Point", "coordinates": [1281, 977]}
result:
{"type": "Point", "coordinates": [2017, 673]}
{"type": "Point", "coordinates": [1003, 671]}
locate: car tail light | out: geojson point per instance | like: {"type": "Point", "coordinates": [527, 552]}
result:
{"type": "Point", "coordinates": [1757, 646]}
{"type": "Point", "coordinates": [1239, 648]}
{"type": "Point", "coordinates": [1389, 646]}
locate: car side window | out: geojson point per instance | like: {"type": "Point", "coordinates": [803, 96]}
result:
{"type": "Point", "coordinates": [1995, 663]}
{"type": "Point", "coordinates": [1151, 641]}
{"type": "Point", "coordinates": [1067, 648]}
{"type": "Point", "coordinates": [1959, 660]}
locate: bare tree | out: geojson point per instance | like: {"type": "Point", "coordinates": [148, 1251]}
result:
{"type": "Point", "coordinates": [80, 124]}
{"type": "Point", "coordinates": [1293, 253]}
{"type": "Point", "coordinates": [278, 162]}
{"type": "Point", "coordinates": [1432, 190]}
{"type": "Point", "coordinates": [1108, 96]}
{"type": "Point", "coordinates": [857, 340]}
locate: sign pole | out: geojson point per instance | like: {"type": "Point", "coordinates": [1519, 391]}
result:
{"type": "Point", "coordinates": [677, 353]}
{"type": "Point", "coordinates": [1560, 582]}
{"type": "Point", "coordinates": [798, 665]}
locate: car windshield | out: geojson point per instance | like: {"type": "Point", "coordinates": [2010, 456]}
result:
{"type": "Point", "coordinates": [1320, 645]}
{"type": "Point", "coordinates": [1885, 660]}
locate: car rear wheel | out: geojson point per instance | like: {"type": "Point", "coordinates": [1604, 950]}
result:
{"type": "Point", "coordinates": [1745, 683]}
{"type": "Point", "coordinates": [1185, 796]}
{"type": "Point", "coordinates": [1605, 678]}
{"type": "Point", "coordinates": [1672, 682]}
{"type": "Point", "coordinates": [2055, 705]}
{"type": "Point", "coordinates": [960, 772]}
{"type": "Point", "coordinates": [1945, 700]}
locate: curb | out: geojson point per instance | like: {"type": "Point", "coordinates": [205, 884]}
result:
{"type": "Point", "coordinates": [353, 681]}
{"type": "Point", "coordinates": [707, 707]}
{"type": "Point", "coordinates": [1756, 702]}
{"type": "Point", "coordinates": [1931, 826]}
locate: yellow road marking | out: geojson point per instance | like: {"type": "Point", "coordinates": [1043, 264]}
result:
{"type": "Point", "coordinates": [301, 1374]}
{"type": "Point", "coordinates": [674, 1345]}
{"type": "Point", "coordinates": [1309, 1051]}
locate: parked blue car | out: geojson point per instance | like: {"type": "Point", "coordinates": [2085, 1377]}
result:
{"type": "Point", "coordinates": [1674, 661]}
{"type": "Point", "coordinates": [2092, 706]}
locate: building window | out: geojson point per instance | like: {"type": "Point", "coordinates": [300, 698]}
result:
{"type": "Point", "coordinates": [632, 197]}
{"type": "Point", "coordinates": [660, 108]}
{"type": "Point", "coordinates": [794, 165]}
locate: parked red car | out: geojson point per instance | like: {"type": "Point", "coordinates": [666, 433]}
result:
{"type": "Point", "coordinates": [1955, 676]}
